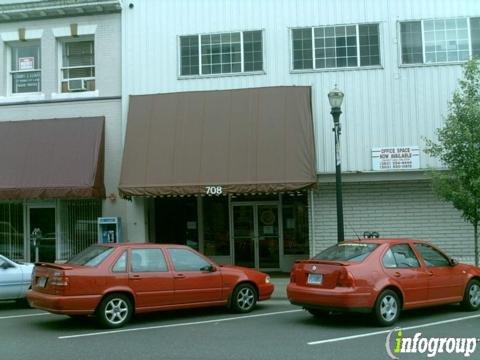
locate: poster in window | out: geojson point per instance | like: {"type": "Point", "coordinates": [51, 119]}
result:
{"type": "Point", "coordinates": [26, 63]}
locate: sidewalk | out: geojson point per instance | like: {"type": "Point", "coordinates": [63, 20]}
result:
{"type": "Point", "coordinates": [280, 281]}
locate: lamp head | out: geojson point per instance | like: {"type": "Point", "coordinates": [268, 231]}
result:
{"type": "Point", "coordinates": [335, 97]}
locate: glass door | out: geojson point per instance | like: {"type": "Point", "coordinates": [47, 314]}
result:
{"type": "Point", "coordinates": [244, 235]}
{"type": "Point", "coordinates": [42, 234]}
{"type": "Point", "coordinates": [256, 237]}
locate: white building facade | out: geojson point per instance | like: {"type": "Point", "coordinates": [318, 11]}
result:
{"type": "Point", "coordinates": [398, 64]}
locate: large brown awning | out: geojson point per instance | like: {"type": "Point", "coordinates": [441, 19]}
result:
{"type": "Point", "coordinates": [52, 159]}
{"type": "Point", "coordinates": [257, 140]}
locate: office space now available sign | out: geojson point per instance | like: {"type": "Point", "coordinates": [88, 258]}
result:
{"type": "Point", "coordinates": [396, 158]}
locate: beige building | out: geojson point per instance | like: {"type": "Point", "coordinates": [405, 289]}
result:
{"type": "Point", "coordinates": [60, 105]}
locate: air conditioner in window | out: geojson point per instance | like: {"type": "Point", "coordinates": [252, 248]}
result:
{"type": "Point", "coordinates": [77, 85]}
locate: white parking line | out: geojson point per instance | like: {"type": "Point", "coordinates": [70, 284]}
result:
{"type": "Point", "coordinates": [20, 316]}
{"type": "Point", "coordinates": [177, 325]}
{"type": "Point", "coordinates": [387, 331]}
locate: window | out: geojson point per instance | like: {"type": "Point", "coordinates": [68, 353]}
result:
{"type": "Point", "coordinates": [148, 260]}
{"type": "Point", "coordinates": [25, 67]}
{"type": "Point", "coordinates": [216, 226]}
{"type": "Point", "coordinates": [92, 256]}
{"type": "Point", "coordinates": [400, 256]}
{"type": "Point", "coordinates": [336, 47]}
{"type": "Point", "coordinates": [475, 33]}
{"type": "Point", "coordinates": [121, 264]}
{"type": "Point", "coordinates": [185, 260]}
{"type": "Point", "coordinates": [78, 66]}
{"type": "Point", "coordinates": [439, 40]}
{"type": "Point", "coordinates": [431, 256]}
{"type": "Point", "coordinates": [226, 53]}
{"type": "Point", "coordinates": [295, 224]}
{"type": "Point", "coordinates": [353, 252]}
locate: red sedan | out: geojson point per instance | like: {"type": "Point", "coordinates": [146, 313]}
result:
{"type": "Point", "coordinates": [382, 276]}
{"type": "Point", "coordinates": [115, 281]}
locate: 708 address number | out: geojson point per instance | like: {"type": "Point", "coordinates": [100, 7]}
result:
{"type": "Point", "coordinates": [214, 190]}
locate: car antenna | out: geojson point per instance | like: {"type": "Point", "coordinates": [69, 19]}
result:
{"type": "Point", "coordinates": [358, 237]}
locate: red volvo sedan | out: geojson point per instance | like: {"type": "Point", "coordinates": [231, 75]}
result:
{"type": "Point", "coordinates": [382, 276]}
{"type": "Point", "coordinates": [115, 281]}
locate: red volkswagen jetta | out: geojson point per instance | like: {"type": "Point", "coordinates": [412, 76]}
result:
{"type": "Point", "coordinates": [382, 276]}
{"type": "Point", "coordinates": [115, 281]}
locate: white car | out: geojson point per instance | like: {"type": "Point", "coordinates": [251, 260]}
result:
{"type": "Point", "coordinates": [15, 279]}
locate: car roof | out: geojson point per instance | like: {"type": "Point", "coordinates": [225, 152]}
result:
{"type": "Point", "coordinates": [143, 244]}
{"type": "Point", "coordinates": [386, 240]}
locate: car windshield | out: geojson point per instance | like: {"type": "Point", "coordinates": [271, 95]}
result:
{"type": "Point", "coordinates": [91, 256]}
{"type": "Point", "coordinates": [353, 252]}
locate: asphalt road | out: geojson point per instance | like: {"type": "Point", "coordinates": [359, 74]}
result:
{"type": "Point", "coordinates": [275, 330]}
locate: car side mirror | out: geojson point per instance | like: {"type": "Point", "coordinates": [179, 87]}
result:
{"type": "Point", "coordinates": [453, 262]}
{"type": "Point", "coordinates": [5, 266]}
{"type": "Point", "coordinates": [209, 268]}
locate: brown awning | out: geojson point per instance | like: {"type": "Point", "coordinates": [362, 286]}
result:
{"type": "Point", "coordinates": [52, 159]}
{"type": "Point", "coordinates": [257, 140]}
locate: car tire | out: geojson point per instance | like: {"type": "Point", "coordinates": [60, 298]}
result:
{"type": "Point", "coordinates": [471, 298]}
{"type": "Point", "coordinates": [114, 311]}
{"type": "Point", "coordinates": [387, 308]}
{"type": "Point", "coordinates": [317, 313]}
{"type": "Point", "coordinates": [244, 298]}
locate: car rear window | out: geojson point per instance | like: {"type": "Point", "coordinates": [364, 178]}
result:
{"type": "Point", "coordinates": [92, 256]}
{"type": "Point", "coordinates": [353, 252]}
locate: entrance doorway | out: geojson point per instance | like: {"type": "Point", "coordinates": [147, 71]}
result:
{"type": "Point", "coordinates": [42, 239]}
{"type": "Point", "coordinates": [256, 239]}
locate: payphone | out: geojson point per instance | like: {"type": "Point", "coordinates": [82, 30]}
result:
{"type": "Point", "coordinates": [109, 230]}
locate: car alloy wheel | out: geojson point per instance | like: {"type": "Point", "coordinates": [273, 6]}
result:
{"type": "Point", "coordinates": [244, 298]}
{"type": "Point", "coordinates": [387, 308]}
{"type": "Point", "coordinates": [471, 299]}
{"type": "Point", "coordinates": [115, 310]}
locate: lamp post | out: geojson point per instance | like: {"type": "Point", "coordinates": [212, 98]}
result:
{"type": "Point", "coordinates": [335, 97]}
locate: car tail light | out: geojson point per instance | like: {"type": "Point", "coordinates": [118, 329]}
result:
{"type": "Point", "coordinates": [59, 279]}
{"type": "Point", "coordinates": [345, 279]}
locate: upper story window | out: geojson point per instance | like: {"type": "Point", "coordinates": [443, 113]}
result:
{"type": "Point", "coordinates": [341, 46]}
{"type": "Point", "coordinates": [226, 53]}
{"type": "Point", "coordinates": [440, 41]}
{"type": "Point", "coordinates": [78, 65]}
{"type": "Point", "coordinates": [25, 67]}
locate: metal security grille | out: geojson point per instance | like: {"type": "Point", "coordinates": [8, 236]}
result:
{"type": "Point", "coordinates": [78, 226]}
{"type": "Point", "coordinates": [11, 230]}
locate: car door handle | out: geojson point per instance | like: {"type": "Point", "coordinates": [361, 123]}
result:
{"type": "Point", "coordinates": [136, 277]}
{"type": "Point", "coordinates": [179, 276]}
{"type": "Point", "coordinates": [430, 273]}
{"type": "Point", "coordinates": [397, 274]}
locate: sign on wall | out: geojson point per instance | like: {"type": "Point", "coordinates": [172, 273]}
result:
{"type": "Point", "coordinates": [26, 63]}
{"type": "Point", "coordinates": [396, 158]}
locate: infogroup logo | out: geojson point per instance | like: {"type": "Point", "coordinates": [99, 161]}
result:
{"type": "Point", "coordinates": [430, 346]}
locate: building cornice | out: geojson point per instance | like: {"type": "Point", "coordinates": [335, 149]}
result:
{"type": "Point", "coordinates": [47, 9]}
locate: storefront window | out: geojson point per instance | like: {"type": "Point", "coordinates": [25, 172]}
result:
{"type": "Point", "coordinates": [78, 226]}
{"type": "Point", "coordinates": [216, 226]}
{"type": "Point", "coordinates": [176, 221]}
{"type": "Point", "coordinates": [295, 224]}
{"type": "Point", "coordinates": [11, 230]}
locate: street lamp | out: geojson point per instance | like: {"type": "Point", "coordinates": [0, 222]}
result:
{"type": "Point", "coordinates": [335, 97]}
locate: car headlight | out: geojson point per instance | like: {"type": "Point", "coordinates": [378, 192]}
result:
{"type": "Point", "coordinates": [267, 279]}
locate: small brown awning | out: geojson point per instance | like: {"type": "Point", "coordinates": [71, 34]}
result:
{"type": "Point", "coordinates": [52, 159]}
{"type": "Point", "coordinates": [257, 140]}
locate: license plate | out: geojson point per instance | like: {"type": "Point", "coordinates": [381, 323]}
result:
{"type": "Point", "coordinates": [315, 279]}
{"type": "Point", "coordinates": [42, 281]}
